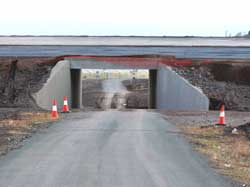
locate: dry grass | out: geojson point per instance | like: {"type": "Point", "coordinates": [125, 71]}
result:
{"type": "Point", "coordinates": [37, 118]}
{"type": "Point", "coordinates": [27, 119]}
{"type": "Point", "coordinates": [15, 130]}
{"type": "Point", "coordinates": [230, 153]}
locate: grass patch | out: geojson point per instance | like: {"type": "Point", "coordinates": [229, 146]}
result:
{"type": "Point", "coordinates": [230, 153]}
{"type": "Point", "coordinates": [27, 119]}
{"type": "Point", "coordinates": [20, 126]}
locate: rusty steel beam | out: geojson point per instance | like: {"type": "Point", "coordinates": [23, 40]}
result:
{"type": "Point", "coordinates": [145, 62]}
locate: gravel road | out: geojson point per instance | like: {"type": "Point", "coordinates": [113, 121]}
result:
{"type": "Point", "coordinates": [110, 148]}
{"type": "Point", "coordinates": [112, 87]}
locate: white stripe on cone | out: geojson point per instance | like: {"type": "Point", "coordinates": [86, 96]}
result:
{"type": "Point", "coordinates": [65, 102]}
{"type": "Point", "coordinates": [54, 108]}
{"type": "Point", "coordinates": [222, 114]}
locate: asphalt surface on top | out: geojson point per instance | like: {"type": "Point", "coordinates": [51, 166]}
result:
{"type": "Point", "coordinates": [126, 41]}
{"type": "Point", "coordinates": [110, 148]}
{"type": "Point", "coordinates": [178, 52]}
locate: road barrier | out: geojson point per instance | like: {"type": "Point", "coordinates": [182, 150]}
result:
{"type": "Point", "coordinates": [65, 105]}
{"type": "Point", "coordinates": [54, 110]}
{"type": "Point", "coordinates": [222, 120]}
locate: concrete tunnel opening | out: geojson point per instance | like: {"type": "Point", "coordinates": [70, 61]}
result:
{"type": "Point", "coordinates": [111, 89]}
{"type": "Point", "coordinates": [166, 89]}
{"type": "Point", "coordinates": [76, 87]}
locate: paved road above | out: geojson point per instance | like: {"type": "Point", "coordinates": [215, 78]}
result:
{"type": "Point", "coordinates": [125, 41]}
{"type": "Point", "coordinates": [108, 149]}
{"type": "Point", "coordinates": [179, 52]}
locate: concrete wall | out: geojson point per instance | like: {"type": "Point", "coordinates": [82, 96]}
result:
{"type": "Point", "coordinates": [76, 84]}
{"type": "Point", "coordinates": [152, 88]}
{"type": "Point", "coordinates": [58, 85]}
{"type": "Point", "coordinates": [175, 93]}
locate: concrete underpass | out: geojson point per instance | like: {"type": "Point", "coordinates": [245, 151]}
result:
{"type": "Point", "coordinates": [167, 90]}
{"type": "Point", "coordinates": [124, 147]}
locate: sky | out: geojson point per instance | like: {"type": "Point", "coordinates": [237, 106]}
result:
{"type": "Point", "coordinates": [124, 17]}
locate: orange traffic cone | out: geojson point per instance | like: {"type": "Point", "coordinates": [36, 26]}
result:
{"type": "Point", "coordinates": [65, 105]}
{"type": "Point", "coordinates": [222, 120]}
{"type": "Point", "coordinates": [54, 110]}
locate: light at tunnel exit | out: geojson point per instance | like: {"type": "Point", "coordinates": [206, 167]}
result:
{"type": "Point", "coordinates": [112, 73]}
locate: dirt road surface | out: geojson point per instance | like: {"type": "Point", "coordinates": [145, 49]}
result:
{"type": "Point", "coordinates": [109, 148]}
{"type": "Point", "coordinates": [111, 88]}
{"type": "Point", "coordinates": [114, 85]}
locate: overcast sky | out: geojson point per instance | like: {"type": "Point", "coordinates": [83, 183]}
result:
{"type": "Point", "coordinates": [124, 17]}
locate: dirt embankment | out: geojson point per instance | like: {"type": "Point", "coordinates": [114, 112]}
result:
{"type": "Point", "coordinates": [19, 114]}
{"type": "Point", "coordinates": [21, 77]}
{"type": "Point", "coordinates": [225, 82]}
{"type": "Point", "coordinates": [138, 93]}
{"type": "Point", "coordinates": [92, 94]}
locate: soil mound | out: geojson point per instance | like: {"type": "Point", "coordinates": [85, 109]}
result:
{"type": "Point", "coordinates": [224, 82]}
{"type": "Point", "coordinates": [21, 77]}
{"type": "Point", "coordinates": [245, 128]}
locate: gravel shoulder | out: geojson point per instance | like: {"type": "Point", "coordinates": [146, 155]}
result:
{"type": "Point", "coordinates": [228, 148]}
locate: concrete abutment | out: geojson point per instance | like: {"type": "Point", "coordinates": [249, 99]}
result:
{"type": "Point", "coordinates": [152, 88]}
{"type": "Point", "coordinates": [57, 86]}
{"type": "Point", "coordinates": [76, 90]}
{"type": "Point", "coordinates": [173, 92]}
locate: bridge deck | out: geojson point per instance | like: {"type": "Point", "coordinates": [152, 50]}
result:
{"type": "Point", "coordinates": [178, 52]}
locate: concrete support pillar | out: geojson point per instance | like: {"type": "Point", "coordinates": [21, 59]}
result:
{"type": "Point", "coordinates": [76, 83]}
{"type": "Point", "coordinates": [152, 88]}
